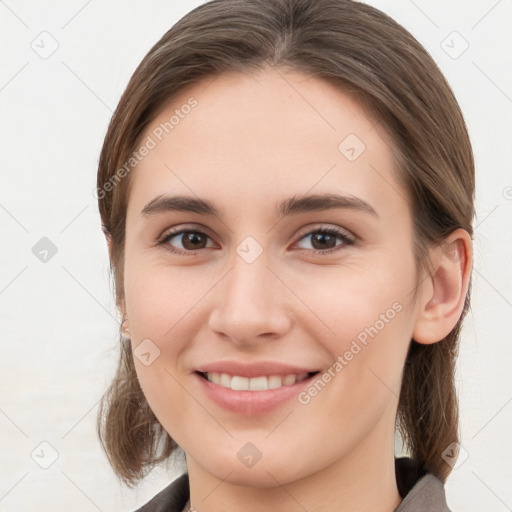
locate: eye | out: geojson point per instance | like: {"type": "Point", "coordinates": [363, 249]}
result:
{"type": "Point", "coordinates": [327, 240]}
{"type": "Point", "coordinates": [190, 240]}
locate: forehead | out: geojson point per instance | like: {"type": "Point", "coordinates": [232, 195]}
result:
{"type": "Point", "coordinates": [281, 109]}
{"type": "Point", "coordinates": [264, 133]}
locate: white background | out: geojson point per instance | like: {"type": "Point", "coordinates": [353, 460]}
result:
{"type": "Point", "coordinates": [58, 319]}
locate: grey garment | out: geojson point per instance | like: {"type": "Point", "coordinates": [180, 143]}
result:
{"type": "Point", "coordinates": [172, 498]}
{"type": "Point", "coordinates": [421, 491]}
{"type": "Point", "coordinates": [426, 496]}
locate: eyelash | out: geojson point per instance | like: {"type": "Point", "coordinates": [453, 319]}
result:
{"type": "Point", "coordinates": [346, 239]}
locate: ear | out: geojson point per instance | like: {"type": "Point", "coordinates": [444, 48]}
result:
{"type": "Point", "coordinates": [108, 238]}
{"type": "Point", "coordinates": [121, 305]}
{"type": "Point", "coordinates": [443, 292]}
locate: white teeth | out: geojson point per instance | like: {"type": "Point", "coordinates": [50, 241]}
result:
{"type": "Point", "coordinates": [258, 384]}
{"type": "Point", "coordinates": [274, 381]}
{"type": "Point", "coordinates": [225, 380]}
{"type": "Point", "coordinates": [289, 379]}
{"type": "Point", "coordinates": [239, 383]}
{"type": "Point", "coordinates": [262, 383]}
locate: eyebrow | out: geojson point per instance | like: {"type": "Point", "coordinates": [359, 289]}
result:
{"type": "Point", "coordinates": [292, 206]}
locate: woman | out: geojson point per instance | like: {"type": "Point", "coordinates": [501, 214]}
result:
{"type": "Point", "coordinates": [286, 189]}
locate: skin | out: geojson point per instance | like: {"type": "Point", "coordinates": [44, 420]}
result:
{"type": "Point", "coordinates": [251, 142]}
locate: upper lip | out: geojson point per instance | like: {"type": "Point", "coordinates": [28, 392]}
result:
{"type": "Point", "coordinates": [256, 369]}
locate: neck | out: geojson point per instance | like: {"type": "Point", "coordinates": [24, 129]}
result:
{"type": "Point", "coordinates": [363, 480]}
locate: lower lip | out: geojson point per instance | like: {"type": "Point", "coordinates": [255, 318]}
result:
{"type": "Point", "coordinates": [251, 403]}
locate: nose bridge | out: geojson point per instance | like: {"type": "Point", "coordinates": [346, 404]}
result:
{"type": "Point", "coordinates": [248, 303]}
{"type": "Point", "coordinates": [249, 279]}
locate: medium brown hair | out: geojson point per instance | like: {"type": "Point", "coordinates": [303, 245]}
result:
{"type": "Point", "coordinates": [365, 53]}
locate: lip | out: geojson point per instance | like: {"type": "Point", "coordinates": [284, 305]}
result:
{"type": "Point", "coordinates": [251, 403]}
{"type": "Point", "coordinates": [256, 369]}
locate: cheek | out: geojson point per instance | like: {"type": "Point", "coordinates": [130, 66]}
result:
{"type": "Point", "coordinates": [366, 326]}
{"type": "Point", "coordinates": [361, 387]}
{"type": "Point", "coordinates": [354, 303]}
{"type": "Point", "coordinates": [159, 300]}
{"type": "Point", "coordinates": [367, 350]}
{"type": "Point", "coordinates": [160, 305]}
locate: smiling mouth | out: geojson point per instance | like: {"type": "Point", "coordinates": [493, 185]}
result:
{"type": "Point", "coordinates": [261, 383]}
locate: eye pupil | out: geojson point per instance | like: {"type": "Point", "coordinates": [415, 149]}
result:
{"type": "Point", "coordinates": [322, 238]}
{"type": "Point", "coordinates": [192, 237]}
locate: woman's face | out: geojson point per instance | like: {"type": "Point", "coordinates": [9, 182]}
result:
{"type": "Point", "coordinates": [258, 295]}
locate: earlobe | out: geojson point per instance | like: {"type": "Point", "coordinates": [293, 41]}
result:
{"type": "Point", "coordinates": [125, 329]}
{"type": "Point", "coordinates": [125, 326]}
{"type": "Point", "coordinates": [444, 292]}
{"type": "Point", "coordinates": [108, 238]}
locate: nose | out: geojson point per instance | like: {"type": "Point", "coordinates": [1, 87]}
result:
{"type": "Point", "coordinates": [250, 304]}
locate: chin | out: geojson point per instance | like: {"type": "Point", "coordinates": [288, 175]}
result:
{"type": "Point", "coordinates": [262, 474]}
